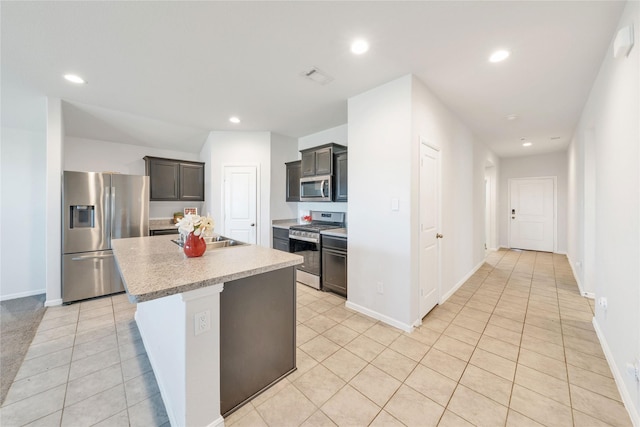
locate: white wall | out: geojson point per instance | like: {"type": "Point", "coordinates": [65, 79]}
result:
{"type": "Point", "coordinates": [87, 155]}
{"type": "Point", "coordinates": [491, 205]}
{"type": "Point", "coordinates": [23, 176]}
{"type": "Point", "coordinates": [379, 242]}
{"type": "Point", "coordinates": [463, 170]}
{"type": "Point", "coordinates": [338, 135]}
{"type": "Point", "coordinates": [552, 164]}
{"type": "Point", "coordinates": [53, 186]}
{"type": "Point", "coordinates": [610, 124]}
{"type": "Point", "coordinates": [385, 128]}
{"type": "Point", "coordinates": [283, 149]}
{"type": "Point", "coordinates": [239, 149]}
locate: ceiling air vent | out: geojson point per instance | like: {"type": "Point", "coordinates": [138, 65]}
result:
{"type": "Point", "coordinates": [317, 75]}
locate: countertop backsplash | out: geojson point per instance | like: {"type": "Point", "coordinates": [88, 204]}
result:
{"type": "Point", "coordinates": [163, 210]}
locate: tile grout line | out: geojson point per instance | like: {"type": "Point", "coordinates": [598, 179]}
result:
{"type": "Point", "coordinates": [467, 361]}
{"type": "Point", "coordinates": [524, 323]}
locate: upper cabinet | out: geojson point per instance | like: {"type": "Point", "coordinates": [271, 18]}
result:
{"type": "Point", "coordinates": [172, 179]}
{"type": "Point", "coordinates": [342, 190]}
{"type": "Point", "coordinates": [319, 160]}
{"type": "Point", "coordinates": [293, 180]}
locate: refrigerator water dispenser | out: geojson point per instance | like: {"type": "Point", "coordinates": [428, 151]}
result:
{"type": "Point", "coordinates": [82, 216]}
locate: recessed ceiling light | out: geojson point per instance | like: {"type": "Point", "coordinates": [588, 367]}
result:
{"type": "Point", "coordinates": [359, 46]}
{"type": "Point", "coordinates": [527, 144]}
{"type": "Point", "coordinates": [499, 55]}
{"type": "Point", "coordinates": [234, 119]}
{"type": "Point", "coordinates": [74, 79]}
{"type": "Point", "coordinates": [512, 117]}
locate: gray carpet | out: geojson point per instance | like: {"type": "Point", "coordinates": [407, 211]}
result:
{"type": "Point", "coordinates": [19, 320]}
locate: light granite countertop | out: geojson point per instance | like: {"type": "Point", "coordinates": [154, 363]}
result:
{"type": "Point", "coordinates": [337, 232]}
{"type": "Point", "coordinates": [284, 223]}
{"type": "Point", "coordinates": [154, 267]}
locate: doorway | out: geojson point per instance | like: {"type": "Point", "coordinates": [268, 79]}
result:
{"type": "Point", "coordinates": [241, 203]}
{"type": "Point", "coordinates": [429, 228]}
{"type": "Point", "coordinates": [532, 213]}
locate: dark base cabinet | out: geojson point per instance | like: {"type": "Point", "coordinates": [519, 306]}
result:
{"type": "Point", "coordinates": [281, 239]}
{"type": "Point", "coordinates": [164, 232]}
{"type": "Point", "coordinates": [257, 335]}
{"type": "Point", "coordinates": [334, 264]}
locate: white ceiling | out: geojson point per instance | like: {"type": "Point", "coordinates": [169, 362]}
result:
{"type": "Point", "coordinates": [164, 73]}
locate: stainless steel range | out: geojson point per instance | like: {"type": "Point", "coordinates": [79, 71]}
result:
{"type": "Point", "coordinates": [304, 240]}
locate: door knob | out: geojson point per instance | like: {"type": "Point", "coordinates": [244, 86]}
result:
{"type": "Point", "coordinates": [439, 236]}
{"type": "Point", "coordinates": [253, 225]}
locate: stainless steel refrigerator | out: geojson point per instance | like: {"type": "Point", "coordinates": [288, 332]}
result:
{"type": "Point", "coordinates": [96, 208]}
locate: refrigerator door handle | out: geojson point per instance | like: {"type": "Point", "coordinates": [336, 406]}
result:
{"type": "Point", "coordinates": [113, 214]}
{"type": "Point", "coordinates": [86, 257]}
{"type": "Point", "coordinates": [107, 216]}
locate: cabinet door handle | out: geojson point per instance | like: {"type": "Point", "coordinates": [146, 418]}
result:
{"type": "Point", "coordinates": [439, 236]}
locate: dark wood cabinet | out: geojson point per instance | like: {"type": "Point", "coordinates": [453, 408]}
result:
{"type": "Point", "coordinates": [293, 180]}
{"type": "Point", "coordinates": [191, 181]}
{"type": "Point", "coordinates": [172, 179]}
{"type": "Point", "coordinates": [341, 182]}
{"type": "Point", "coordinates": [308, 163]}
{"type": "Point", "coordinates": [163, 178]}
{"type": "Point", "coordinates": [319, 160]}
{"type": "Point", "coordinates": [334, 264]}
{"type": "Point", "coordinates": [281, 239]}
{"type": "Point", "coordinates": [324, 165]}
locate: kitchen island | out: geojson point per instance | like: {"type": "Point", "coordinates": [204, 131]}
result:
{"type": "Point", "coordinates": [218, 329]}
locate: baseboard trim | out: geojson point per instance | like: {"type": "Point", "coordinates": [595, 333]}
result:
{"type": "Point", "coordinates": [617, 376]}
{"type": "Point", "coordinates": [22, 294]}
{"type": "Point", "coordinates": [453, 290]}
{"type": "Point", "coordinates": [575, 276]}
{"type": "Point", "coordinates": [53, 302]}
{"type": "Point", "coordinates": [379, 316]}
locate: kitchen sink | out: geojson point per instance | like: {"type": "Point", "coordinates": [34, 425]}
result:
{"type": "Point", "coordinates": [217, 242]}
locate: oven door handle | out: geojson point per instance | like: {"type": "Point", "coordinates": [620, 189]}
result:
{"type": "Point", "coordinates": [304, 239]}
{"type": "Point", "coordinates": [322, 188]}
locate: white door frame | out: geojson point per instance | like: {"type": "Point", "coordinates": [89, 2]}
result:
{"type": "Point", "coordinates": [555, 207]}
{"type": "Point", "coordinates": [223, 195]}
{"type": "Point", "coordinates": [435, 147]}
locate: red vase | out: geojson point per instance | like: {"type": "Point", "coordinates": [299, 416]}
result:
{"type": "Point", "coordinates": [194, 246]}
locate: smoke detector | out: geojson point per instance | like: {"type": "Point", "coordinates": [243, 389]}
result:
{"type": "Point", "coordinates": [317, 75]}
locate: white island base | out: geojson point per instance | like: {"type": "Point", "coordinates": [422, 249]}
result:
{"type": "Point", "coordinates": [186, 365]}
{"type": "Point", "coordinates": [184, 319]}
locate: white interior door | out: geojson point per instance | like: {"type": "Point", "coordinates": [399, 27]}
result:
{"type": "Point", "coordinates": [429, 225]}
{"type": "Point", "coordinates": [532, 214]}
{"type": "Point", "coordinates": [240, 203]}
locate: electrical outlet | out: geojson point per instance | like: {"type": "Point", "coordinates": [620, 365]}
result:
{"type": "Point", "coordinates": [202, 322]}
{"type": "Point", "coordinates": [380, 288]}
{"type": "Point", "coordinates": [633, 370]}
{"type": "Point", "coordinates": [602, 302]}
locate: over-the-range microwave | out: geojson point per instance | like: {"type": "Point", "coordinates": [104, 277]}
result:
{"type": "Point", "coordinates": [316, 189]}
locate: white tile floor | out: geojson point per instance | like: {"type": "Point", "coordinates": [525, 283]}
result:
{"type": "Point", "coordinates": [86, 366]}
{"type": "Point", "coordinates": [514, 346]}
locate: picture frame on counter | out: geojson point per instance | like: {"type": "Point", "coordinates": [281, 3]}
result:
{"type": "Point", "coordinates": [192, 211]}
